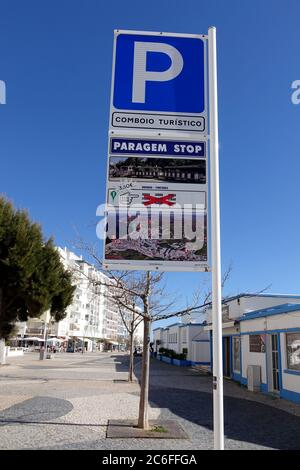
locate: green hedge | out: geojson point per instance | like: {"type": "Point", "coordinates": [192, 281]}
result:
{"type": "Point", "coordinates": [172, 354]}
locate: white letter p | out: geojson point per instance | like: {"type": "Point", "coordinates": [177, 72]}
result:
{"type": "Point", "coordinates": [141, 75]}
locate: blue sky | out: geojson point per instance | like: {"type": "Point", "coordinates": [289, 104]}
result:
{"type": "Point", "coordinates": [55, 57]}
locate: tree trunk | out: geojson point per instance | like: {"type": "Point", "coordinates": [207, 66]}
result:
{"type": "Point", "coordinates": [130, 372]}
{"type": "Point", "coordinates": [143, 409]}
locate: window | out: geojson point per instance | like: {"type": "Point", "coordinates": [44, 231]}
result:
{"type": "Point", "coordinates": [236, 346]}
{"type": "Point", "coordinates": [172, 338]}
{"type": "Point", "coordinates": [257, 343]}
{"type": "Point", "coordinates": [293, 350]}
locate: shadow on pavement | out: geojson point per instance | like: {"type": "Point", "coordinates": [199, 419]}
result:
{"type": "Point", "coordinates": [36, 409]}
{"type": "Point", "coordinates": [245, 420]}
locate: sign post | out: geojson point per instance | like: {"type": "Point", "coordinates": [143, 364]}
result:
{"type": "Point", "coordinates": [157, 186]}
{"type": "Point", "coordinates": [215, 245]}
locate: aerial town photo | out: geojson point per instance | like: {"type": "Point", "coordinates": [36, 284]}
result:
{"type": "Point", "coordinates": [157, 170]}
{"type": "Point", "coordinates": [160, 236]}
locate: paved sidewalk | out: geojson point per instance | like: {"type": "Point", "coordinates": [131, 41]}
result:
{"type": "Point", "coordinates": [65, 403]}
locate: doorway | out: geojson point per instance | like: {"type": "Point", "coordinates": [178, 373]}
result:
{"type": "Point", "coordinates": [226, 357]}
{"type": "Point", "coordinates": [275, 362]}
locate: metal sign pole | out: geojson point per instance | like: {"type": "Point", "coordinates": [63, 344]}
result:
{"type": "Point", "coordinates": [215, 245]}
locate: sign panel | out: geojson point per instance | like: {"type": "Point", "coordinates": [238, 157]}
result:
{"type": "Point", "coordinates": [158, 171]}
{"type": "Point", "coordinates": [127, 146]}
{"type": "Point", "coordinates": [157, 154]}
{"type": "Point", "coordinates": [143, 239]}
{"type": "Point", "coordinates": [156, 198]}
{"type": "Point", "coordinates": [159, 82]}
{"type": "Point", "coordinates": [158, 122]}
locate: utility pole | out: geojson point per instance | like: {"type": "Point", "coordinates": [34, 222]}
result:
{"type": "Point", "coordinates": [216, 244]}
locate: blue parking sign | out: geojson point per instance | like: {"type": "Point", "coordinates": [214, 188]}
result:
{"type": "Point", "coordinates": [159, 73]}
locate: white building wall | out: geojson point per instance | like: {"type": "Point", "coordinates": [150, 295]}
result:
{"type": "Point", "coordinates": [252, 359]}
{"type": "Point", "coordinates": [285, 321]}
{"type": "Point", "coordinates": [165, 343]}
{"type": "Point", "coordinates": [198, 344]}
{"type": "Point", "coordinates": [158, 336]}
{"type": "Point", "coordinates": [200, 352]}
{"type": "Point", "coordinates": [183, 338]}
{"type": "Point", "coordinates": [190, 336]}
{"type": "Point", "coordinates": [196, 332]}
{"type": "Point", "coordinates": [276, 322]}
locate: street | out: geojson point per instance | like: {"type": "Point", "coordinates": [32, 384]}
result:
{"type": "Point", "coordinates": [65, 403]}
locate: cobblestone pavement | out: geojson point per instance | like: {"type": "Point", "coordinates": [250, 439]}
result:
{"type": "Point", "coordinates": [65, 403]}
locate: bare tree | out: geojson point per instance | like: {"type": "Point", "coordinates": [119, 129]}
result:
{"type": "Point", "coordinates": [144, 293]}
{"type": "Point", "coordinates": [131, 320]}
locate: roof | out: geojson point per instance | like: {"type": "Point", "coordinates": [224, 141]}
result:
{"type": "Point", "coordinates": [270, 311]}
{"type": "Point", "coordinates": [174, 324]}
{"type": "Point", "coordinates": [180, 325]}
{"type": "Point", "coordinates": [285, 296]}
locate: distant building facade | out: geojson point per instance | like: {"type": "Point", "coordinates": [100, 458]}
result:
{"type": "Point", "coordinates": [92, 321]}
{"type": "Point", "coordinates": [190, 338]}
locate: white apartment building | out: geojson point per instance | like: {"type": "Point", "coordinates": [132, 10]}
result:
{"type": "Point", "coordinates": [92, 320]}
